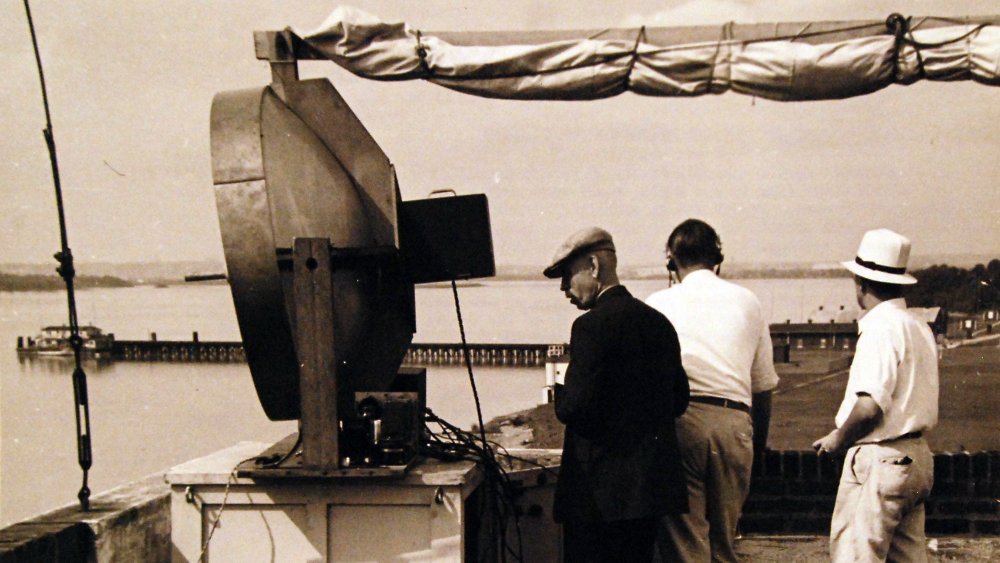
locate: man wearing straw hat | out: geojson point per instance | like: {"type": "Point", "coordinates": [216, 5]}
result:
{"type": "Point", "coordinates": [890, 402]}
{"type": "Point", "coordinates": [624, 386]}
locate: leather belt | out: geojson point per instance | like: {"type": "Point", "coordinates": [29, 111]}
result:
{"type": "Point", "coordinates": [720, 402]}
{"type": "Point", "coordinates": [908, 436]}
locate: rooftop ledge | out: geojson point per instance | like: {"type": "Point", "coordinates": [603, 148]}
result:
{"type": "Point", "coordinates": [785, 519]}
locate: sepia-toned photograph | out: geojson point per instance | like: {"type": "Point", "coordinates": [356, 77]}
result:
{"type": "Point", "coordinates": [579, 281]}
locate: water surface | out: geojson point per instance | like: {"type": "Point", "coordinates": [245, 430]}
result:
{"type": "Point", "coordinates": [146, 417]}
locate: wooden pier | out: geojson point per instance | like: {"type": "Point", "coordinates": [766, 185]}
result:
{"type": "Point", "coordinates": [512, 355]}
{"type": "Point", "coordinates": [439, 354]}
{"type": "Point", "coordinates": [786, 336]}
{"type": "Point", "coordinates": [177, 351]}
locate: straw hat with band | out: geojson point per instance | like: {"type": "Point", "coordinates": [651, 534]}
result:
{"type": "Point", "coordinates": [882, 257]}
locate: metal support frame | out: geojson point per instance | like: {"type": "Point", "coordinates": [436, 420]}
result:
{"type": "Point", "coordinates": [321, 406]}
{"type": "Point", "coordinates": [278, 49]}
{"type": "Point", "coordinates": [317, 359]}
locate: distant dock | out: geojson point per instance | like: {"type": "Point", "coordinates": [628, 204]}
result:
{"type": "Point", "coordinates": [514, 355]}
{"type": "Point", "coordinates": [196, 350]}
{"type": "Point", "coordinates": [193, 350]}
{"type": "Point", "coordinates": [785, 336]}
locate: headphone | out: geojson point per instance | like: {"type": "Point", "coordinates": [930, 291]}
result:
{"type": "Point", "coordinates": [671, 270]}
{"type": "Point", "coordinates": [714, 256]}
{"type": "Point", "coordinates": [671, 265]}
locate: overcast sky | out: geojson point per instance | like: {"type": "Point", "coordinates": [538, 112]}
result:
{"type": "Point", "coordinates": [131, 83]}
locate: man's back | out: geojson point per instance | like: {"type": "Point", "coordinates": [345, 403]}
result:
{"type": "Point", "coordinates": [725, 342]}
{"type": "Point", "coordinates": [889, 403]}
{"type": "Point", "coordinates": [726, 352]}
{"type": "Point", "coordinates": [624, 369]}
{"type": "Point", "coordinates": [896, 364]}
{"type": "Point", "coordinates": [636, 350]}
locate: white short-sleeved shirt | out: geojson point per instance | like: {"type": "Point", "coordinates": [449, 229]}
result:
{"type": "Point", "coordinates": [725, 341]}
{"type": "Point", "coordinates": [895, 362]}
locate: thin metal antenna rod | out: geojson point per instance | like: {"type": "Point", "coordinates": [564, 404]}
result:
{"type": "Point", "coordinates": [67, 271]}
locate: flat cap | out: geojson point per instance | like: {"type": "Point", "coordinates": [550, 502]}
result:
{"type": "Point", "coordinates": [585, 240]}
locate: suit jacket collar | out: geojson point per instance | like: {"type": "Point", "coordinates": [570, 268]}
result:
{"type": "Point", "coordinates": [611, 293]}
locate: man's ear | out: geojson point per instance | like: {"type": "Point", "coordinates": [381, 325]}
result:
{"type": "Point", "coordinates": [595, 266]}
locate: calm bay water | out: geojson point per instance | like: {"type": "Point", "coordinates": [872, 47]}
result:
{"type": "Point", "coordinates": [146, 417]}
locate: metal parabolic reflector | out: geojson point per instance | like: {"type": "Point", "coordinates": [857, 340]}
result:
{"type": "Point", "coordinates": [294, 161]}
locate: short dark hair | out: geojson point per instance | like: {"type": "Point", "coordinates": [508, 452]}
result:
{"type": "Point", "coordinates": [882, 290]}
{"type": "Point", "coordinates": [695, 242]}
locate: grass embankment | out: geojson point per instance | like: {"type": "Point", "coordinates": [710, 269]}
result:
{"type": "Point", "coordinates": [805, 404]}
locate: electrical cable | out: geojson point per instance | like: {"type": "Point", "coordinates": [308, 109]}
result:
{"type": "Point", "coordinates": [450, 443]}
{"type": "Point", "coordinates": [501, 499]}
{"type": "Point", "coordinates": [468, 361]}
{"type": "Point", "coordinates": [277, 461]}
{"type": "Point", "coordinates": [222, 507]}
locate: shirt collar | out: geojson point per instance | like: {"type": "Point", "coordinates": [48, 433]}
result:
{"type": "Point", "coordinates": [880, 310]}
{"type": "Point", "coordinates": [697, 275]}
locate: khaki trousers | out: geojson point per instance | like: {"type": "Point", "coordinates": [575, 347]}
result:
{"type": "Point", "coordinates": [717, 454]}
{"type": "Point", "coordinates": [879, 512]}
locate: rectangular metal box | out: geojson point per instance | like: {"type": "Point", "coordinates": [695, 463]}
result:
{"type": "Point", "coordinates": [446, 238]}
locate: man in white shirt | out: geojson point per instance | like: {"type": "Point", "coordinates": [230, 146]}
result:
{"type": "Point", "coordinates": [890, 402]}
{"type": "Point", "coordinates": [727, 353]}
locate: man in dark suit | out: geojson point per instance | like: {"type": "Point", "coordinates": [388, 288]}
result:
{"type": "Point", "coordinates": [624, 386]}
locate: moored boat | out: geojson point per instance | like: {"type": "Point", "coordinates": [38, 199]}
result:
{"type": "Point", "coordinates": [55, 341]}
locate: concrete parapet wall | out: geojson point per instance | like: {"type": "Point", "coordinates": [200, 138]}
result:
{"type": "Point", "coordinates": [126, 524]}
{"type": "Point", "coordinates": [786, 517]}
{"type": "Point", "coordinates": [811, 548]}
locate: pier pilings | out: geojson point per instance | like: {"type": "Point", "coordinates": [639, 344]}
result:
{"type": "Point", "coordinates": [785, 336]}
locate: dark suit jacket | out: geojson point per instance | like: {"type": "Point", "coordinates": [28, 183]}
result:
{"type": "Point", "coordinates": [623, 389]}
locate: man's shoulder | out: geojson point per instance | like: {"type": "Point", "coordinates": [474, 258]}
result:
{"type": "Point", "coordinates": [623, 305]}
{"type": "Point", "coordinates": [660, 295]}
{"type": "Point", "coordinates": [736, 295]}
{"type": "Point", "coordinates": [729, 285]}
{"type": "Point", "coordinates": [648, 314]}
{"type": "Point", "coordinates": [639, 304]}
{"type": "Point", "coordinates": [886, 319]}
{"type": "Point", "coordinates": [588, 317]}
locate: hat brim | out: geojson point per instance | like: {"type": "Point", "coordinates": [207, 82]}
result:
{"type": "Point", "coordinates": [554, 271]}
{"type": "Point", "coordinates": [875, 275]}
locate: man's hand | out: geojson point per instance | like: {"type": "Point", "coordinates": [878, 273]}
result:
{"type": "Point", "coordinates": [864, 417]}
{"type": "Point", "coordinates": [832, 443]}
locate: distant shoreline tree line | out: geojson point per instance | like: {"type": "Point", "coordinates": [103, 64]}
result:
{"type": "Point", "coordinates": [38, 282]}
{"type": "Point", "coordinates": [950, 287]}
{"type": "Point", "coordinates": [957, 289]}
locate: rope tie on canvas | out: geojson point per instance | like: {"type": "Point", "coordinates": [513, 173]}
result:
{"type": "Point", "coordinates": [726, 37]}
{"type": "Point", "coordinates": [902, 29]}
{"type": "Point", "coordinates": [635, 56]}
{"type": "Point", "coordinates": [422, 54]}
{"type": "Point", "coordinates": [921, 71]}
{"type": "Point", "coordinates": [898, 26]}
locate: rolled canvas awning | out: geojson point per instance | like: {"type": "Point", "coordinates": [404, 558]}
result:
{"type": "Point", "coordinates": [785, 62]}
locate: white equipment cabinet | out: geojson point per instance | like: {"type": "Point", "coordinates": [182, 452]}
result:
{"type": "Point", "coordinates": [422, 516]}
